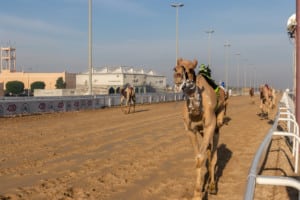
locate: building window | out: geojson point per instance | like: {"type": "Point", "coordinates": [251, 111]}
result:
{"type": "Point", "coordinates": [111, 90]}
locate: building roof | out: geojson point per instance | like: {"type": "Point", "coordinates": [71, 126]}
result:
{"type": "Point", "coordinates": [123, 70]}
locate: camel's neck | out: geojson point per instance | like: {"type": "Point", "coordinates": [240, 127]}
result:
{"type": "Point", "coordinates": [194, 101]}
{"type": "Point", "coordinates": [123, 92]}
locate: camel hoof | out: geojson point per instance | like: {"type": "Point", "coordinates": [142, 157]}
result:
{"type": "Point", "coordinates": [197, 195]}
{"type": "Point", "coordinates": [197, 198]}
{"type": "Point", "coordinates": [212, 188]}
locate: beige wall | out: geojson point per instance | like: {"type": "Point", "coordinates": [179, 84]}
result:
{"type": "Point", "coordinates": [48, 78]}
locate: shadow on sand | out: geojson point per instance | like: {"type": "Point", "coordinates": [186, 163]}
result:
{"type": "Point", "coordinates": [137, 111]}
{"type": "Point", "coordinates": [226, 120]}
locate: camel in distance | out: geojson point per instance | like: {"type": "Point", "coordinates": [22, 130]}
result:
{"type": "Point", "coordinates": [127, 99]}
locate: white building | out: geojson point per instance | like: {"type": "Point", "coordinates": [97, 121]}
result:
{"type": "Point", "coordinates": [110, 79]}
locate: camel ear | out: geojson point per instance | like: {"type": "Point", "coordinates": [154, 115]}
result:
{"type": "Point", "coordinates": [179, 60]}
{"type": "Point", "coordinates": [195, 63]}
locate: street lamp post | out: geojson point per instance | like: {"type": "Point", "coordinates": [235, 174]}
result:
{"type": "Point", "coordinates": [177, 5]}
{"type": "Point", "coordinates": [209, 32]}
{"type": "Point", "coordinates": [28, 85]}
{"type": "Point", "coordinates": [226, 45]}
{"type": "Point", "coordinates": [254, 79]}
{"type": "Point", "coordinates": [250, 75]}
{"type": "Point", "coordinates": [28, 82]}
{"type": "Point", "coordinates": [245, 73]}
{"type": "Point", "coordinates": [90, 68]}
{"type": "Point", "coordinates": [238, 72]}
{"type": "Point", "coordinates": [245, 78]}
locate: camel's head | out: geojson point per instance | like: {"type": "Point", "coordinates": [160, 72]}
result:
{"type": "Point", "coordinates": [184, 72]}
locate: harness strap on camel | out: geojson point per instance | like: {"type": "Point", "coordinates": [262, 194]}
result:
{"type": "Point", "coordinates": [217, 91]}
{"type": "Point", "coordinates": [210, 81]}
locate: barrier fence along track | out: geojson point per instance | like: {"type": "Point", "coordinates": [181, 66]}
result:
{"type": "Point", "coordinates": [285, 114]}
{"type": "Point", "coordinates": [12, 106]}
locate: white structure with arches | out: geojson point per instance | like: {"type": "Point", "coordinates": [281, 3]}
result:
{"type": "Point", "coordinates": [110, 79]}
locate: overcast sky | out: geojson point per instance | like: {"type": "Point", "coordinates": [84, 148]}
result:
{"type": "Point", "coordinates": [52, 36]}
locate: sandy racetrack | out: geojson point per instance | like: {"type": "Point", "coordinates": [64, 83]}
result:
{"type": "Point", "coordinates": [105, 154]}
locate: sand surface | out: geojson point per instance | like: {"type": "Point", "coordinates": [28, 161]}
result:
{"type": "Point", "coordinates": [105, 154]}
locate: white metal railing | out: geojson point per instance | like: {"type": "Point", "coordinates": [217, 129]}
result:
{"type": "Point", "coordinates": [32, 105]}
{"type": "Point", "coordinates": [285, 114]}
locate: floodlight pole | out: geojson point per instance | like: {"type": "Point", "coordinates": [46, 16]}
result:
{"type": "Point", "coordinates": [209, 32]}
{"type": "Point", "coordinates": [238, 72]}
{"type": "Point", "coordinates": [226, 45]}
{"type": "Point", "coordinates": [177, 6]}
{"type": "Point", "coordinates": [90, 67]}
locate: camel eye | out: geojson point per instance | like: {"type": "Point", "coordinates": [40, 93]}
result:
{"type": "Point", "coordinates": [174, 69]}
{"type": "Point", "coordinates": [182, 68]}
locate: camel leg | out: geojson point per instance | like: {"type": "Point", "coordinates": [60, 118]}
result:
{"type": "Point", "coordinates": [261, 107]}
{"type": "Point", "coordinates": [133, 103]}
{"type": "Point", "coordinates": [134, 106]}
{"type": "Point", "coordinates": [122, 104]}
{"type": "Point", "coordinates": [220, 119]}
{"type": "Point", "coordinates": [194, 141]}
{"type": "Point", "coordinates": [128, 105]}
{"type": "Point", "coordinates": [189, 132]}
{"type": "Point", "coordinates": [121, 101]}
{"type": "Point", "coordinates": [199, 180]}
{"type": "Point", "coordinates": [209, 130]}
{"type": "Point", "coordinates": [213, 157]}
{"type": "Point", "coordinates": [267, 111]}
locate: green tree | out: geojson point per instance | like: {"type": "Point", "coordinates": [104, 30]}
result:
{"type": "Point", "coordinates": [60, 84]}
{"type": "Point", "coordinates": [14, 87]}
{"type": "Point", "coordinates": [37, 85]}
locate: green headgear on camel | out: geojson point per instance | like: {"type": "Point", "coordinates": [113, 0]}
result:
{"type": "Point", "coordinates": [205, 70]}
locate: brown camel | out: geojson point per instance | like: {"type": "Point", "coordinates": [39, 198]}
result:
{"type": "Point", "coordinates": [265, 100]}
{"type": "Point", "coordinates": [203, 115]}
{"type": "Point", "coordinates": [273, 97]}
{"type": "Point", "coordinates": [127, 95]}
{"type": "Point", "coordinates": [226, 97]}
{"type": "Point", "coordinates": [251, 93]}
